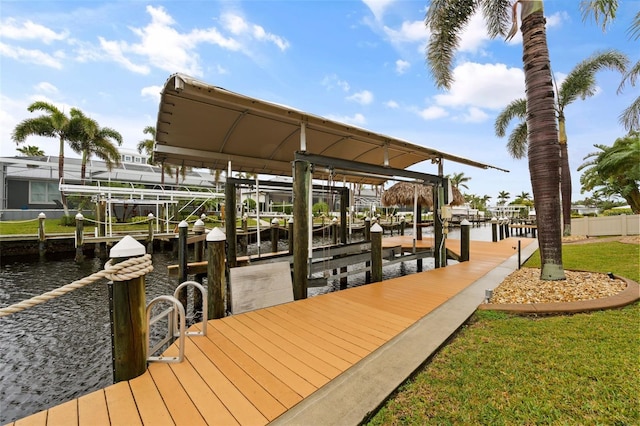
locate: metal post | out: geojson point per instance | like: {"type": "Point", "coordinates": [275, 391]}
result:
{"type": "Point", "coordinates": [79, 240]}
{"type": "Point", "coordinates": [150, 218]}
{"type": "Point", "coordinates": [183, 230]}
{"type": "Point", "coordinates": [494, 229]}
{"type": "Point", "coordinates": [465, 226]}
{"type": "Point", "coordinates": [42, 236]}
{"type": "Point", "coordinates": [519, 254]}
{"type": "Point", "coordinates": [376, 253]}
{"type": "Point", "coordinates": [128, 318]}
{"type": "Point", "coordinates": [198, 255]}
{"type": "Point", "coordinates": [216, 280]}
{"type": "Point", "coordinates": [275, 234]}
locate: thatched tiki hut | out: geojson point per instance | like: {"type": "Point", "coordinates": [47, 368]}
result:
{"type": "Point", "coordinates": [404, 193]}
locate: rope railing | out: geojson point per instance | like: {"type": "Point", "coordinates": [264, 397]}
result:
{"type": "Point", "coordinates": [124, 271]}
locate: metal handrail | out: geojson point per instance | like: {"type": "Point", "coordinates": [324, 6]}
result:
{"type": "Point", "coordinates": [204, 293]}
{"type": "Point", "coordinates": [176, 310]}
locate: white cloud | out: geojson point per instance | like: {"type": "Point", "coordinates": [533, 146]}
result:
{"type": "Point", "coordinates": [363, 97]}
{"type": "Point", "coordinates": [238, 26]}
{"type": "Point", "coordinates": [332, 81]}
{"type": "Point", "coordinates": [357, 119]}
{"type": "Point", "coordinates": [32, 56]}
{"type": "Point", "coordinates": [151, 92]}
{"type": "Point", "coordinates": [432, 112]}
{"type": "Point", "coordinates": [377, 7]}
{"type": "Point", "coordinates": [30, 31]}
{"type": "Point", "coordinates": [116, 52]}
{"type": "Point", "coordinates": [392, 104]}
{"type": "Point", "coordinates": [409, 32]}
{"type": "Point", "coordinates": [475, 36]}
{"type": "Point", "coordinates": [402, 66]}
{"type": "Point", "coordinates": [46, 87]}
{"type": "Point", "coordinates": [557, 19]}
{"type": "Point", "coordinates": [483, 85]}
{"type": "Point", "coordinates": [475, 115]}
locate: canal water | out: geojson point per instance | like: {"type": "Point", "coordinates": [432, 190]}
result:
{"type": "Point", "coordinates": [61, 349]}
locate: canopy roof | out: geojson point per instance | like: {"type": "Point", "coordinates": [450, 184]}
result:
{"type": "Point", "coordinates": [207, 126]}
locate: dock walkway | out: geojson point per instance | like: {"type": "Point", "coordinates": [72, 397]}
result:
{"type": "Point", "coordinates": [329, 359]}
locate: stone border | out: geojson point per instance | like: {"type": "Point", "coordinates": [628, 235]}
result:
{"type": "Point", "coordinates": [624, 298]}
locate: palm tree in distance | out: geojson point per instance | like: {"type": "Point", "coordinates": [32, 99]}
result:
{"type": "Point", "coordinates": [90, 139]}
{"type": "Point", "coordinates": [446, 20]}
{"type": "Point", "coordinates": [604, 12]}
{"type": "Point", "coordinates": [524, 196]}
{"type": "Point", "coordinates": [52, 123]}
{"type": "Point", "coordinates": [458, 180]}
{"type": "Point", "coordinates": [580, 83]}
{"type": "Point", "coordinates": [30, 151]}
{"type": "Point", "coordinates": [503, 196]}
{"type": "Point", "coordinates": [146, 146]}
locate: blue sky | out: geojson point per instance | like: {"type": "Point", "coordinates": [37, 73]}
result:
{"type": "Point", "coordinates": [360, 62]}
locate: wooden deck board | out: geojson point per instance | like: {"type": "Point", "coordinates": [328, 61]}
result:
{"type": "Point", "coordinates": [252, 367]}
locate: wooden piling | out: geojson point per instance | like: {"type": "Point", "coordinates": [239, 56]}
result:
{"type": "Point", "coordinates": [150, 218]}
{"type": "Point", "coordinates": [198, 256]}
{"type": "Point", "coordinates": [183, 230]}
{"type": "Point", "coordinates": [216, 279]}
{"type": "Point", "coordinates": [367, 237]}
{"type": "Point", "coordinates": [230, 222]}
{"type": "Point", "coordinates": [501, 228]}
{"type": "Point", "coordinates": [494, 229]}
{"type": "Point", "coordinates": [465, 234]}
{"type": "Point", "coordinates": [128, 318]}
{"type": "Point", "coordinates": [302, 177]}
{"type": "Point", "coordinates": [376, 253]}
{"type": "Point", "coordinates": [291, 238]}
{"type": "Point", "coordinates": [42, 236]}
{"type": "Point", "coordinates": [275, 234]}
{"type": "Point", "coordinates": [79, 240]}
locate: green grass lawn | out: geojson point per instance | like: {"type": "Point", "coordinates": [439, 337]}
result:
{"type": "Point", "coordinates": [501, 369]}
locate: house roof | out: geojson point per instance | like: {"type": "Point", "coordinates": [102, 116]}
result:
{"type": "Point", "coordinates": [200, 125]}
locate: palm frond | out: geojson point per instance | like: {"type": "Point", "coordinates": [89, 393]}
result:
{"type": "Point", "coordinates": [517, 144]}
{"type": "Point", "coordinates": [603, 11]}
{"type": "Point", "coordinates": [516, 109]}
{"type": "Point", "coordinates": [630, 117]}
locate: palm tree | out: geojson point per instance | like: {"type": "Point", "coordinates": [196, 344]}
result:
{"type": "Point", "coordinates": [54, 124]}
{"type": "Point", "coordinates": [458, 180]}
{"type": "Point", "coordinates": [446, 20]}
{"type": "Point", "coordinates": [580, 83]}
{"type": "Point", "coordinates": [603, 12]}
{"type": "Point", "coordinates": [146, 145]}
{"type": "Point", "coordinates": [524, 196]}
{"type": "Point", "coordinates": [616, 168]}
{"type": "Point", "coordinates": [90, 139]}
{"type": "Point", "coordinates": [503, 196]}
{"type": "Point", "coordinates": [30, 151]}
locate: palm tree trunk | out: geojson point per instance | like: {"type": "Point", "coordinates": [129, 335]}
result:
{"type": "Point", "coordinates": [565, 188]}
{"type": "Point", "coordinates": [544, 149]}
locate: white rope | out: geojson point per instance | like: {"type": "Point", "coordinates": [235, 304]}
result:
{"type": "Point", "coordinates": [123, 271]}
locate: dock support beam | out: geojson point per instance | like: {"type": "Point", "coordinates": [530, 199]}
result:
{"type": "Point", "coordinates": [302, 177]}
{"type": "Point", "coordinates": [128, 318]}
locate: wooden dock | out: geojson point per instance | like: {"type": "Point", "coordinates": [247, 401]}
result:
{"type": "Point", "coordinates": [252, 368]}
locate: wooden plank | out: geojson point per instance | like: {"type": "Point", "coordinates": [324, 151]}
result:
{"type": "Point", "coordinates": [37, 419]}
{"type": "Point", "coordinates": [92, 409]}
{"type": "Point", "coordinates": [276, 386]}
{"type": "Point", "coordinates": [180, 406]}
{"type": "Point", "coordinates": [121, 405]}
{"type": "Point", "coordinates": [64, 414]}
{"type": "Point", "coordinates": [260, 286]}
{"type": "Point", "coordinates": [234, 401]}
{"type": "Point", "coordinates": [150, 404]}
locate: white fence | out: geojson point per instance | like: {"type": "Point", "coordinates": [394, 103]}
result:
{"type": "Point", "coordinates": [606, 225]}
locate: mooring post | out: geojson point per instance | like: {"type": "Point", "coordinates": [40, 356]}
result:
{"type": "Point", "coordinates": [402, 224]}
{"type": "Point", "coordinates": [334, 231]}
{"type": "Point", "coordinates": [79, 240]}
{"type": "Point", "coordinates": [198, 255]}
{"type": "Point", "coordinates": [42, 236]}
{"type": "Point", "coordinates": [501, 228]}
{"type": "Point", "coordinates": [275, 234]}
{"type": "Point", "coordinates": [376, 253]}
{"type": "Point", "coordinates": [216, 279]}
{"type": "Point", "coordinates": [519, 254]}
{"type": "Point", "coordinates": [150, 218]}
{"type": "Point", "coordinates": [128, 319]}
{"type": "Point", "coordinates": [290, 223]}
{"type": "Point", "coordinates": [244, 240]}
{"type": "Point", "coordinates": [230, 222]}
{"type": "Point", "coordinates": [465, 233]}
{"type": "Point", "coordinates": [183, 230]}
{"type": "Point", "coordinates": [494, 229]}
{"type": "Point", "coordinates": [367, 237]}
{"type": "Point", "coordinates": [302, 222]}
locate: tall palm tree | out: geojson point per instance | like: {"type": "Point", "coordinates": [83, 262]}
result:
{"type": "Point", "coordinates": [30, 151]}
{"type": "Point", "coordinates": [446, 20]}
{"type": "Point", "coordinates": [90, 139]}
{"type": "Point", "coordinates": [580, 83]}
{"type": "Point", "coordinates": [503, 196]}
{"type": "Point", "coordinates": [524, 196]}
{"type": "Point", "coordinates": [616, 168]}
{"type": "Point", "coordinates": [458, 180]}
{"type": "Point", "coordinates": [604, 12]}
{"type": "Point", "coordinates": [52, 123]}
{"type": "Point", "coordinates": [146, 146]}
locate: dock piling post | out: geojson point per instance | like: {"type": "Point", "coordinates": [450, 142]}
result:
{"type": "Point", "coordinates": [42, 236]}
{"type": "Point", "coordinates": [128, 318]}
{"type": "Point", "coordinates": [376, 253]}
{"type": "Point", "coordinates": [79, 240]}
{"type": "Point", "coordinates": [402, 224]}
{"type": "Point", "coordinates": [216, 280]}
{"type": "Point", "coordinates": [501, 228]}
{"type": "Point", "coordinates": [290, 223]}
{"type": "Point", "coordinates": [275, 234]}
{"type": "Point", "coordinates": [465, 226]}
{"type": "Point", "coordinates": [183, 229]}
{"type": "Point", "coordinates": [494, 229]}
{"type": "Point", "coordinates": [367, 237]}
{"type": "Point", "coordinates": [244, 240]}
{"type": "Point", "coordinates": [198, 255]}
{"type": "Point", "coordinates": [150, 218]}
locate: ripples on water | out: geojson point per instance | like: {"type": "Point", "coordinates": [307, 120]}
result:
{"type": "Point", "coordinates": [61, 349]}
